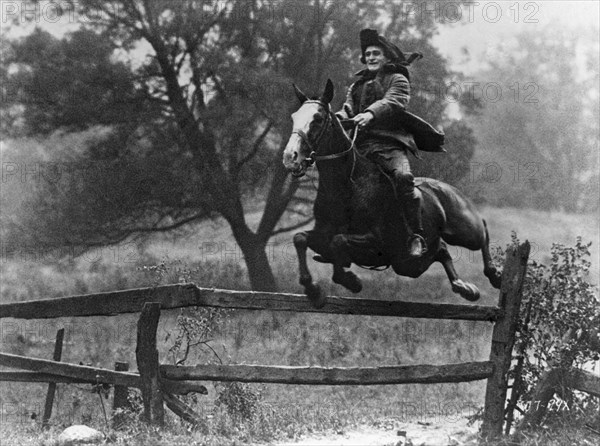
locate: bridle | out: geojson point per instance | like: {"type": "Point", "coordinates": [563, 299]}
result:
{"type": "Point", "coordinates": [313, 157]}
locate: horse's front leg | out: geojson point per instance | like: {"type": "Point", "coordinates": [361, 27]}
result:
{"type": "Point", "coordinates": [302, 240]}
{"type": "Point", "coordinates": [340, 248]}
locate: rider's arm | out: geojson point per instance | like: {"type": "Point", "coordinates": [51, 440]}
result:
{"type": "Point", "coordinates": [396, 98]}
{"type": "Point", "coordinates": [346, 110]}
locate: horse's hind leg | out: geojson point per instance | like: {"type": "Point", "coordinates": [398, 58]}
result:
{"type": "Point", "coordinates": [490, 271]}
{"type": "Point", "coordinates": [465, 289]}
{"type": "Point", "coordinates": [302, 240]}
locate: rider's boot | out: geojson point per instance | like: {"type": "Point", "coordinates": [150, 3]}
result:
{"type": "Point", "coordinates": [412, 207]}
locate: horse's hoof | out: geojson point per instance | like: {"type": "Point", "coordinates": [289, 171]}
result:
{"type": "Point", "coordinates": [466, 290]}
{"type": "Point", "coordinates": [305, 281]}
{"type": "Point", "coordinates": [316, 296]}
{"type": "Point", "coordinates": [496, 282]}
{"type": "Point", "coordinates": [319, 258]}
{"type": "Point", "coordinates": [494, 277]}
{"type": "Point", "coordinates": [348, 280]}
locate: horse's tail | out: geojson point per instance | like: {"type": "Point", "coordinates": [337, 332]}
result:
{"type": "Point", "coordinates": [487, 233]}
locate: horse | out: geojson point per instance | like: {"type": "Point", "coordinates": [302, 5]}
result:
{"type": "Point", "coordinates": [357, 217]}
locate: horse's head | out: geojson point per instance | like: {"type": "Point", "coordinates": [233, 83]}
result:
{"type": "Point", "coordinates": [310, 125]}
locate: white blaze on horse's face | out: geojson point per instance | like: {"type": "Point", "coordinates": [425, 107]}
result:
{"type": "Point", "coordinates": [305, 120]}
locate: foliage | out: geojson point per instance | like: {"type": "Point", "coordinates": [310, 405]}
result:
{"type": "Point", "coordinates": [195, 325]}
{"type": "Point", "coordinates": [241, 400]}
{"type": "Point", "coordinates": [195, 328]}
{"type": "Point", "coordinates": [558, 325]}
{"type": "Point", "coordinates": [562, 301]}
{"type": "Point", "coordinates": [541, 131]}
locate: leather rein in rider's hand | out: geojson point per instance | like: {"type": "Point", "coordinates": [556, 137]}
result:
{"type": "Point", "coordinates": [314, 157]}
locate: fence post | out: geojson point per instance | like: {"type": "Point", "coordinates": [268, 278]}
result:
{"type": "Point", "coordinates": [147, 361]}
{"type": "Point", "coordinates": [60, 335]}
{"type": "Point", "coordinates": [503, 339]}
{"type": "Point", "coordinates": [120, 396]}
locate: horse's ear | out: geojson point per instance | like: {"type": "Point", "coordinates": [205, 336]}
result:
{"type": "Point", "coordinates": [301, 96]}
{"type": "Point", "coordinates": [328, 93]}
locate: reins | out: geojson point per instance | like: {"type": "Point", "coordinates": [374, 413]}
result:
{"type": "Point", "coordinates": [314, 157]}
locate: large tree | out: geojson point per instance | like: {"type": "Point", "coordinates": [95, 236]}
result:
{"type": "Point", "coordinates": [194, 128]}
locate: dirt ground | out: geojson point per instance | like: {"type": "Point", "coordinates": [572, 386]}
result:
{"type": "Point", "coordinates": [422, 433]}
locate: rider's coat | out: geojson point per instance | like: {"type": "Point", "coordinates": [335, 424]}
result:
{"type": "Point", "coordinates": [386, 95]}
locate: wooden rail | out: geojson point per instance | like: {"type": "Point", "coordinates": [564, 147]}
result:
{"type": "Point", "coordinates": [334, 376]}
{"type": "Point", "coordinates": [185, 377]}
{"type": "Point", "coordinates": [585, 381]}
{"type": "Point", "coordinates": [44, 370]}
{"type": "Point", "coordinates": [187, 295]}
{"type": "Point", "coordinates": [39, 377]}
{"type": "Point", "coordinates": [89, 374]}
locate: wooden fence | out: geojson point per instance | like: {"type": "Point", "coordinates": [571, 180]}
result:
{"type": "Point", "coordinates": [160, 382]}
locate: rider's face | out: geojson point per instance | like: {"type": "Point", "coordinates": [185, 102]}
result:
{"type": "Point", "coordinates": [375, 58]}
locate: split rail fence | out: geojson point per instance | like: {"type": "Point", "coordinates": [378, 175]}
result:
{"type": "Point", "coordinates": [159, 383]}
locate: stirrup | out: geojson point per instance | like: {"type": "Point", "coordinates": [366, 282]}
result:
{"type": "Point", "coordinates": [416, 246]}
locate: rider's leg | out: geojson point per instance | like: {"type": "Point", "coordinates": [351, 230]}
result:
{"type": "Point", "coordinates": [411, 201]}
{"type": "Point", "coordinates": [395, 163]}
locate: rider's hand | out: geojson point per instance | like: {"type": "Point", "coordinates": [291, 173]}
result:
{"type": "Point", "coordinates": [363, 119]}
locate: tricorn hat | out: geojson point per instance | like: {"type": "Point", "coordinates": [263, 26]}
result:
{"type": "Point", "coordinates": [370, 37]}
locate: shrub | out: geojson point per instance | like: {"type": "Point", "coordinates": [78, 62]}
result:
{"type": "Point", "coordinates": [558, 327]}
{"type": "Point", "coordinates": [241, 400]}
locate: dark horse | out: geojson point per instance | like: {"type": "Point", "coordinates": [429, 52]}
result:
{"type": "Point", "coordinates": [357, 218]}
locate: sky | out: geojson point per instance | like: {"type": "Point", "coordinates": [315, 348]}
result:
{"type": "Point", "coordinates": [488, 23]}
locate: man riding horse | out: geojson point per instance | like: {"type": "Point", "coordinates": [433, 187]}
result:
{"type": "Point", "coordinates": [358, 216]}
{"type": "Point", "coordinates": [377, 102]}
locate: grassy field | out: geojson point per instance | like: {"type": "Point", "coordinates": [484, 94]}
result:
{"type": "Point", "coordinates": [209, 257]}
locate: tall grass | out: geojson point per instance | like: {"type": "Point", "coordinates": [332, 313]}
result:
{"type": "Point", "coordinates": [264, 337]}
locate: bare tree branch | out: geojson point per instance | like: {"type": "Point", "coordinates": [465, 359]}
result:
{"type": "Point", "coordinates": [255, 147]}
{"type": "Point", "coordinates": [298, 212]}
{"type": "Point", "coordinates": [293, 227]}
{"type": "Point", "coordinates": [219, 86]}
{"type": "Point", "coordinates": [156, 228]}
{"type": "Point", "coordinates": [303, 200]}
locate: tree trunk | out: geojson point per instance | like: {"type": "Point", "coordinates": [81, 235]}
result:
{"type": "Point", "coordinates": [259, 270]}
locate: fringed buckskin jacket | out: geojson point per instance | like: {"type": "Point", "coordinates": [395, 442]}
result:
{"type": "Point", "coordinates": [386, 94]}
